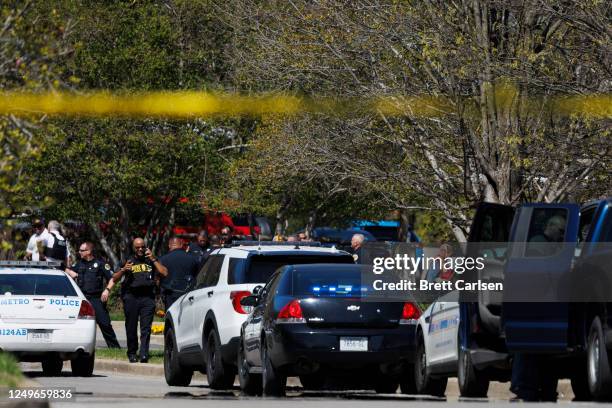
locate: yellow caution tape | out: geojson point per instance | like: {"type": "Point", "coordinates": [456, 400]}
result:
{"type": "Point", "coordinates": [204, 104]}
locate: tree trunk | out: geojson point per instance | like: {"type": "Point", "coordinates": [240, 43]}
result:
{"type": "Point", "coordinates": [105, 245]}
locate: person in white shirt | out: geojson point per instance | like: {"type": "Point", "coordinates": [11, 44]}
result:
{"type": "Point", "coordinates": [57, 248]}
{"type": "Point", "coordinates": [40, 234]}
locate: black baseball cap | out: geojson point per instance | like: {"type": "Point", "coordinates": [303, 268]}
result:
{"type": "Point", "coordinates": [37, 223]}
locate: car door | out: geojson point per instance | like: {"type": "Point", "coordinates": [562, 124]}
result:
{"type": "Point", "coordinates": [204, 297]}
{"type": "Point", "coordinates": [257, 318]}
{"type": "Point", "coordinates": [488, 240]}
{"type": "Point", "coordinates": [543, 243]}
{"type": "Point", "coordinates": [188, 334]}
{"type": "Point", "coordinates": [434, 335]}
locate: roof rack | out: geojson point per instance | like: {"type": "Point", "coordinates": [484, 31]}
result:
{"type": "Point", "coordinates": [277, 243]}
{"type": "Point", "coordinates": [30, 264]}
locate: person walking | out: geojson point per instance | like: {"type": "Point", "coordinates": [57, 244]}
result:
{"type": "Point", "coordinates": [95, 278]}
{"type": "Point", "coordinates": [138, 281]}
{"type": "Point", "coordinates": [182, 270]}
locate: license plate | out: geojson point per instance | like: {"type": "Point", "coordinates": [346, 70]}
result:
{"type": "Point", "coordinates": [353, 344]}
{"type": "Point", "coordinates": [39, 337]}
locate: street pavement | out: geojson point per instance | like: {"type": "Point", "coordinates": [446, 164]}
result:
{"type": "Point", "coordinates": [104, 389]}
{"type": "Point", "coordinates": [157, 340]}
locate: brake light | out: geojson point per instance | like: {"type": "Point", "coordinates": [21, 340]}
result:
{"type": "Point", "coordinates": [236, 296]}
{"type": "Point", "coordinates": [291, 313]}
{"type": "Point", "coordinates": [86, 311]}
{"type": "Point", "coordinates": [410, 312]}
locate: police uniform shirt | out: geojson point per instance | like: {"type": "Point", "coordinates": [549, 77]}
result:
{"type": "Point", "coordinates": [92, 275]}
{"type": "Point", "coordinates": [182, 269]}
{"type": "Point", "coordinates": [141, 279]}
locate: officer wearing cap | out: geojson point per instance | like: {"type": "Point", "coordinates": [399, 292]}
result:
{"type": "Point", "coordinates": [94, 277]}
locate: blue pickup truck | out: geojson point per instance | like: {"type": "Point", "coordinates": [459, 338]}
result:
{"type": "Point", "coordinates": [575, 333]}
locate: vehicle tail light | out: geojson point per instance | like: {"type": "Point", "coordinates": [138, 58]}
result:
{"type": "Point", "coordinates": [86, 311]}
{"type": "Point", "coordinates": [291, 313]}
{"type": "Point", "coordinates": [236, 296]}
{"type": "Point", "coordinates": [410, 313]}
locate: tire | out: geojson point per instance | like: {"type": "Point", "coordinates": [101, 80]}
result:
{"type": "Point", "coordinates": [250, 384]}
{"type": "Point", "coordinates": [83, 365]}
{"type": "Point", "coordinates": [472, 383]}
{"type": "Point", "coordinates": [273, 382]}
{"type": "Point", "coordinates": [386, 385]}
{"type": "Point", "coordinates": [407, 382]}
{"type": "Point", "coordinates": [313, 382]}
{"type": "Point", "coordinates": [175, 373]}
{"type": "Point", "coordinates": [424, 383]}
{"type": "Point", "coordinates": [219, 375]}
{"type": "Point", "coordinates": [52, 366]}
{"type": "Point", "coordinates": [599, 375]}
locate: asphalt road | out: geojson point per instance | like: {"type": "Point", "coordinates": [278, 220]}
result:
{"type": "Point", "coordinates": [104, 389]}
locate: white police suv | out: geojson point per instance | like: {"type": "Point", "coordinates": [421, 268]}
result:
{"type": "Point", "coordinates": [202, 329]}
{"type": "Point", "coordinates": [44, 317]}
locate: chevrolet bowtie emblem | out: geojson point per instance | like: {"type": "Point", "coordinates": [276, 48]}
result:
{"type": "Point", "coordinates": [352, 308]}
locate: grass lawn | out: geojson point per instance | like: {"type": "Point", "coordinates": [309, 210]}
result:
{"type": "Point", "coordinates": [10, 374]}
{"type": "Point", "coordinates": [155, 356]}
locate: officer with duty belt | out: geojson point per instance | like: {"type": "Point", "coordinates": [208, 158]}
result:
{"type": "Point", "coordinates": [139, 279]}
{"type": "Point", "coordinates": [90, 274]}
{"type": "Point", "coordinates": [182, 270]}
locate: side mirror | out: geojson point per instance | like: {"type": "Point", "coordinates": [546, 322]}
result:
{"type": "Point", "coordinates": [249, 301]}
{"type": "Point", "coordinates": [257, 290]}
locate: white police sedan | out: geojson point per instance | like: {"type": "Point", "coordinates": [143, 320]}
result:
{"type": "Point", "coordinates": [44, 317]}
{"type": "Point", "coordinates": [436, 347]}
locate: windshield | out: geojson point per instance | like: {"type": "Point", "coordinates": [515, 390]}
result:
{"type": "Point", "coordinates": [43, 285]}
{"type": "Point", "coordinates": [259, 268]}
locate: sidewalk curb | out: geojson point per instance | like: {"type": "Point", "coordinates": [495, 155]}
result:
{"type": "Point", "coordinates": [497, 390]}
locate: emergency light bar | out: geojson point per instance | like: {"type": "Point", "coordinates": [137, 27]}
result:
{"type": "Point", "coordinates": [30, 264]}
{"type": "Point", "coordinates": [275, 243]}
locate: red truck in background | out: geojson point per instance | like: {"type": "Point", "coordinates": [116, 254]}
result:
{"type": "Point", "coordinates": [242, 226]}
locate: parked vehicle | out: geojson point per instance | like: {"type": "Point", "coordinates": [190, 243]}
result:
{"type": "Point", "coordinates": [44, 317]}
{"type": "Point", "coordinates": [576, 334]}
{"type": "Point", "coordinates": [314, 320]}
{"type": "Point", "coordinates": [202, 328]}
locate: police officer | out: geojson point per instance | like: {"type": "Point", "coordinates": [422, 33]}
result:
{"type": "Point", "coordinates": [91, 274]}
{"type": "Point", "coordinates": [139, 275]}
{"type": "Point", "coordinates": [200, 248]}
{"type": "Point", "coordinates": [182, 270]}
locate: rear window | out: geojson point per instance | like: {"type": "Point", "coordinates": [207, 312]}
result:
{"type": "Point", "coordinates": [259, 268]}
{"type": "Point", "coordinates": [42, 285]}
{"type": "Point", "coordinates": [328, 283]}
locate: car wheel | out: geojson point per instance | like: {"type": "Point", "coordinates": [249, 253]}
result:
{"type": "Point", "coordinates": [175, 373]}
{"type": "Point", "coordinates": [313, 382]}
{"type": "Point", "coordinates": [219, 375]}
{"type": "Point", "coordinates": [52, 366]}
{"type": "Point", "coordinates": [83, 365]}
{"type": "Point", "coordinates": [407, 382]}
{"type": "Point", "coordinates": [472, 383]}
{"type": "Point", "coordinates": [385, 384]}
{"type": "Point", "coordinates": [273, 382]}
{"type": "Point", "coordinates": [424, 383]}
{"type": "Point", "coordinates": [598, 366]}
{"type": "Point", "coordinates": [250, 383]}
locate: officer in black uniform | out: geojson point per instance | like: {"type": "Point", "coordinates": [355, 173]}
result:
{"type": "Point", "coordinates": [139, 275]}
{"type": "Point", "coordinates": [90, 274]}
{"type": "Point", "coordinates": [182, 270]}
{"type": "Point", "coordinates": [200, 248]}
